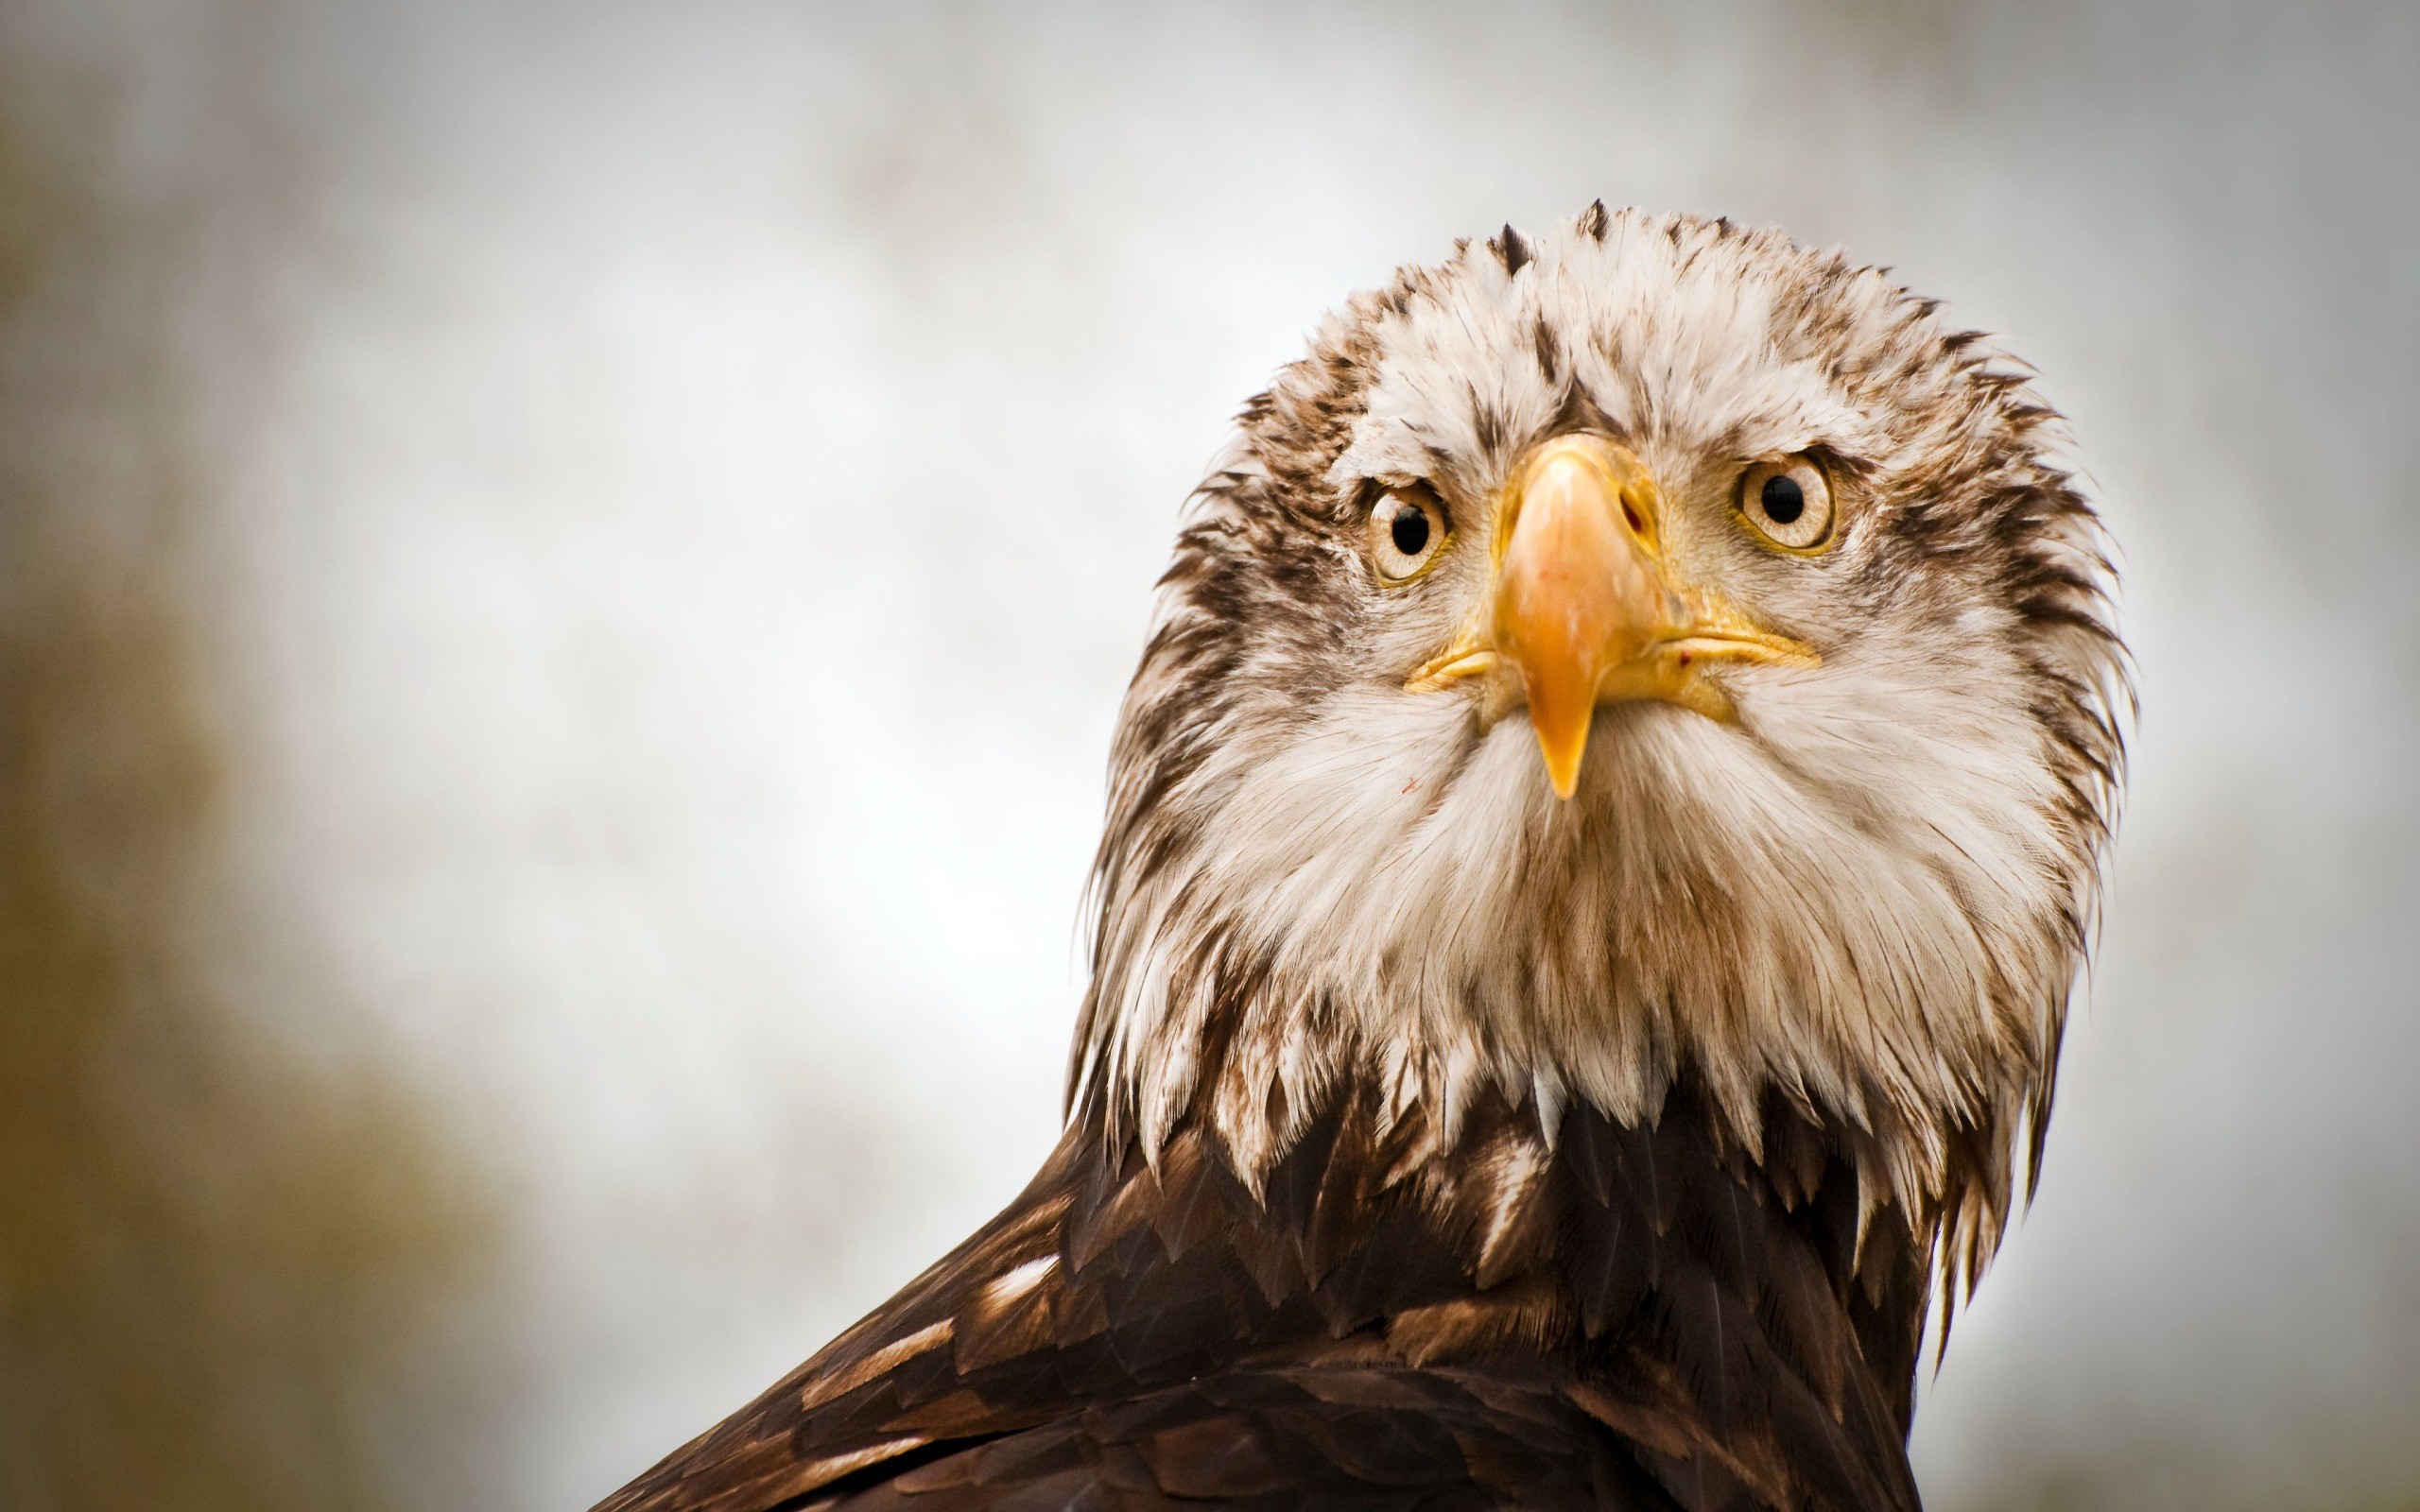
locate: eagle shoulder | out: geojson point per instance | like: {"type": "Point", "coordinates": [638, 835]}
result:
{"type": "Point", "coordinates": [1621, 1317]}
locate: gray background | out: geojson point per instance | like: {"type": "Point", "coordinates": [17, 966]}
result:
{"type": "Point", "coordinates": [564, 571]}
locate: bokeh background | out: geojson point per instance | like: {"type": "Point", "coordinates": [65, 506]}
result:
{"type": "Point", "coordinates": [565, 570]}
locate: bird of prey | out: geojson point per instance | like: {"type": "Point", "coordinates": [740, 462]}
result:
{"type": "Point", "coordinates": [1599, 846]}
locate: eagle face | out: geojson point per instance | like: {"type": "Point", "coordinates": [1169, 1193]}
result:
{"type": "Point", "coordinates": [1650, 649]}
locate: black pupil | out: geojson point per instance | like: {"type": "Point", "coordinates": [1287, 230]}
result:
{"type": "Point", "coordinates": [1782, 499]}
{"type": "Point", "coordinates": [1409, 531]}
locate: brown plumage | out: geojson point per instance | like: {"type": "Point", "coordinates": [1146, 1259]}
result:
{"type": "Point", "coordinates": [1638, 1318]}
{"type": "Point", "coordinates": [1440, 1141]}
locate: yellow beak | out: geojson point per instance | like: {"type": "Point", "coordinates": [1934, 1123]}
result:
{"type": "Point", "coordinates": [1583, 611]}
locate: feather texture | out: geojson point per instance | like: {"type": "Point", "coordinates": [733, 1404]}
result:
{"type": "Point", "coordinates": [1871, 892]}
{"type": "Point", "coordinates": [1639, 1316]}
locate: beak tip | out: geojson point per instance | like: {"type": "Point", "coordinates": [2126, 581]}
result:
{"type": "Point", "coordinates": [1563, 761]}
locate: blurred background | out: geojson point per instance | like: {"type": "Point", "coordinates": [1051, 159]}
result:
{"type": "Point", "coordinates": [565, 570]}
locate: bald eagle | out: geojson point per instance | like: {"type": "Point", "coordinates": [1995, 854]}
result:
{"type": "Point", "coordinates": [1600, 843]}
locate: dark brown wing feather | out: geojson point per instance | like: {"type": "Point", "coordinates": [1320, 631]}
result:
{"type": "Point", "coordinates": [1338, 1436]}
{"type": "Point", "coordinates": [1634, 1317]}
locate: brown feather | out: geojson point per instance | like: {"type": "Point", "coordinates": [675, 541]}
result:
{"type": "Point", "coordinates": [1355, 1342]}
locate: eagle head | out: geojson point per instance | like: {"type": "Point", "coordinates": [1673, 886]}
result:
{"type": "Point", "coordinates": [1649, 652]}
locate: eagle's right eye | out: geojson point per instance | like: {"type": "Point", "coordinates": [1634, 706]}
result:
{"type": "Point", "coordinates": [1407, 533]}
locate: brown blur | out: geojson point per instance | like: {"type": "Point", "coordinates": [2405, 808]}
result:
{"type": "Point", "coordinates": [212, 1245]}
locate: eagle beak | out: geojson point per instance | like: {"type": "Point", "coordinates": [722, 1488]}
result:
{"type": "Point", "coordinates": [1583, 611]}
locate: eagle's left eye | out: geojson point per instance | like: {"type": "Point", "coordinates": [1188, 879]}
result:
{"type": "Point", "coordinates": [1790, 503]}
{"type": "Point", "coordinates": [1407, 531]}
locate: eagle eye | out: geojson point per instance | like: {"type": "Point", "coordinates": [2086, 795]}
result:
{"type": "Point", "coordinates": [1407, 533]}
{"type": "Point", "coordinates": [1789, 503]}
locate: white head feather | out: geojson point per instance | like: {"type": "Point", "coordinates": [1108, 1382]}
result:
{"type": "Point", "coordinates": [1869, 896]}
